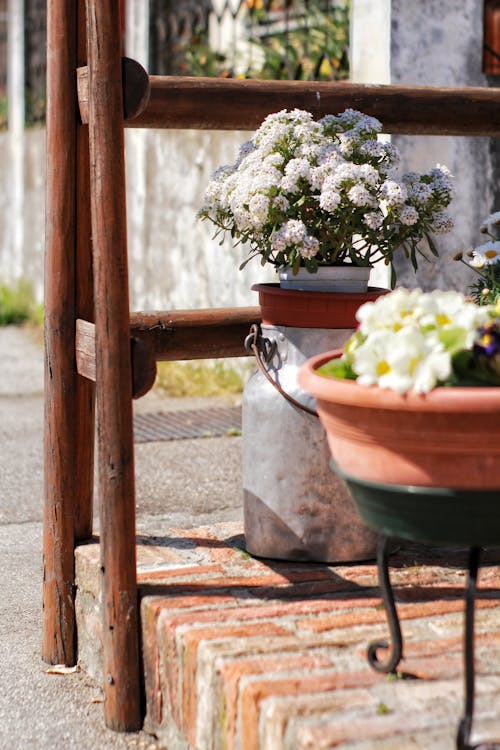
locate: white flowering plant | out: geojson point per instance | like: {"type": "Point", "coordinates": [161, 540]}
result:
{"type": "Point", "coordinates": [304, 193]}
{"type": "Point", "coordinates": [484, 260]}
{"type": "Point", "coordinates": [419, 340]}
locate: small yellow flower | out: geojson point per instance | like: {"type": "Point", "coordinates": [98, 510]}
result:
{"type": "Point", "coordinates": [383, 368]}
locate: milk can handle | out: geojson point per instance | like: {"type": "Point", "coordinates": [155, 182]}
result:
{"type": "Point", "coordinates": [263, 350]}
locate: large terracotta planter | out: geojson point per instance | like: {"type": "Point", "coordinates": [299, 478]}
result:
{"type": "Point", "coordinates": [448, 438]}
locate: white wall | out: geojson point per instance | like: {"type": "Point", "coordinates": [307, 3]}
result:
{"type": "Point", "coordinates": [173, 261]}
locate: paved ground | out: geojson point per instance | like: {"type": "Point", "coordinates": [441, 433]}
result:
{"type": "Point", "coordinates": [40, 710]}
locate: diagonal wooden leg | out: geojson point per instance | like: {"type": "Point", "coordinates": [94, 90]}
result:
{"type": "Point", "coordinates": [58, 644]}
{"type": "Point", "coordinates": [113, 369]}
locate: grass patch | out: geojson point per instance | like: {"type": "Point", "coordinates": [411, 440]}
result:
{"type": "Point", "coordinates": [196, 378]}
{"type": "Point", "coordinates": [18, 305]}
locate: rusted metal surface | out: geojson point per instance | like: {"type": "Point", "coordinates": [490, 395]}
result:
{"type": "Point", "coordinates": [187, 424]}
{"type": "Point", "coordinates": [60, 477]}
{"type": "Point", "coordinates": [113, 369]}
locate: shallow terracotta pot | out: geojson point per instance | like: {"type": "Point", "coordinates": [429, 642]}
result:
{"type": "Point", "coordinates": [449, 437]}
{"type": "Point", "coordinates": [306, 309]}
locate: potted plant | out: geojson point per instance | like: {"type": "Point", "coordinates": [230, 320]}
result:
{"type": "Point", "coordinates": [320, 200]}
{"type": "Point", "coordinates": [312, 199]}
{"type": "Point", "coordinates": [411, 408]}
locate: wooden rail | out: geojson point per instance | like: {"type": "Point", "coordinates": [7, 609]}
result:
{"type": "Point", "coordinates": [171, 336]}
{"type": "Point", "coordinates": [233, 104]}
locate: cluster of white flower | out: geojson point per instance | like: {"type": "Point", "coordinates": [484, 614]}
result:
{"type": "Point", "coordinates": [334, 180]}
{"type": "Point", "coordinates": [294, 234]}
{"type": "Point", "coordinates": [406, 339]}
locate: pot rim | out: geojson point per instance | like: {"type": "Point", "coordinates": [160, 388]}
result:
{"type": "Point", "coordinates": [274, 289]}
{"type": "Point", "coordinates": [464, 399]}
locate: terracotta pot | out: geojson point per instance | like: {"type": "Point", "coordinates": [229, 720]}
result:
{"type": "Point", "coordinates": [304, 309]}
{"type": "Point", "coordinates": [447, 438]}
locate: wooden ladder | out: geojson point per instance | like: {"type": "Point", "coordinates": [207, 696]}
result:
{"type": "Point", "coordinates": [94, 346]}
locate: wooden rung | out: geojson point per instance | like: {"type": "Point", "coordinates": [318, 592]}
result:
{"type": "Point", "coordinates": [195, 334]}
{"type": "Point", "coordinates": [234, 104]}
{"type": "Point", "coordinates": [171, 336]}
{"type": "Point", "coordinates": [136, 89]}
{"type": "Point", "coordinates": [143, 361]}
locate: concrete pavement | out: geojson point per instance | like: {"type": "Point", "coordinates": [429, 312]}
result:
{"type": "Point", "coordinates": [40, 710]}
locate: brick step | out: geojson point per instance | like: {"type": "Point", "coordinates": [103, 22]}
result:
{"type": "Point", "coordinates": [247, 654]}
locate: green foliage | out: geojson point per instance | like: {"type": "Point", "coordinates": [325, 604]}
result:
{"type": "Point", "coordinates": [485, 290]}
{"type": "Point", "coordinates": [308, 43]}
{"type": "Point", "coordinates": [18, 305]}
{"type": "Point", "coordinates": [315, 47]}
{"type": "Point", "coordinates": [338, 368]}
{"type": "Point", "coordinates": [192, 379]}
{"type": "Point", "coordinates": [383, 709]}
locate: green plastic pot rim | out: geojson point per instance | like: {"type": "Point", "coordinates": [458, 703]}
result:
{"type": "Point", "coordinates": [410, 489]}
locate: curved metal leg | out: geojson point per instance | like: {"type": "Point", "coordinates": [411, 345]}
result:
{"type": "Point", "coordinates": [396, 649]}
{"type": "Point", "coordinates": [465, 726]}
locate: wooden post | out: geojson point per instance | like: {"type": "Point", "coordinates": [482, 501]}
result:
{"type": "Point", "coordinates": [85, 395]}
{"type": "Point", "coordinates": [60, 373]}
{"type": "Point", "coordinates": [113, 368]}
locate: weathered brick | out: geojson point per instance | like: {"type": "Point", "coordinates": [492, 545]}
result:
{"type": "Point", "coordinates": [255, 691]}
{"type": "Point", "coordinates": [167, 573]}
{"type": "Point", "coordinates": [191, 640]}
{"type": "Point", "coordinates": [247, 654]}
{"type": "Point", "coordinates": [232, 671]}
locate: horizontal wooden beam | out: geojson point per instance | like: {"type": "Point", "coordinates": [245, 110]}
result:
{"type": "Point", "coordinates": [171, 336]}
{"type": "Point", "coordinates": [234, 104]}
{"type": "Point", "coordinates": [195, 334]}
{"type": "Point", "coordinates": [143, 361]}
{"type": "Point", "coordinates": [136, 89]}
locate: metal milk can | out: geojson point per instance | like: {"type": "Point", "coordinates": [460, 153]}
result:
{"type": "Point", "coordinates": [295, 507]}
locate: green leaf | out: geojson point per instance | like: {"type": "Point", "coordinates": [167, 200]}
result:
{"type": "Point", "coordinates": [338, 368]}
{"type": "Point", "coordinates": [413, 257]}
{"type": "Point", "coordinates": [393, 277]}
{"type": "Point", "coordinates": [432, 246]}
{"type": "Point", "coordinates": [469, 370]}
{"type": "Point", "coordinates": [453, 339]}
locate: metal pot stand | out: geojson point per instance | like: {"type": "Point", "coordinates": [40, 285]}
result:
{"type": "Point", "coordinates": [421, 514]}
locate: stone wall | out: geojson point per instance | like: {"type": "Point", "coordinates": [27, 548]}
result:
{"type": "Point", "coordinates": [431, 42]}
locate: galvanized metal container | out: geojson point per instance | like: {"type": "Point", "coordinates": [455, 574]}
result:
{"type": "Point", "coordinates": [295, 508]}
